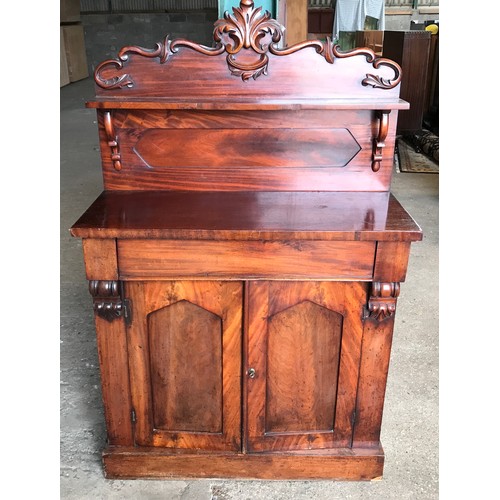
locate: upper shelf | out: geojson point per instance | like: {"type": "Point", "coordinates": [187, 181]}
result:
{"type": "Point", "coordinates": [246, 67]}
{"type": "Point", "coordinates": [246, 104]}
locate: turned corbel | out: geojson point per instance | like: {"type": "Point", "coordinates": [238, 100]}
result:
{"type": "Point", "coordinates": [112, 140]}
{"type": "Point", "coordinates": [108, 301]}
{"type": "Point", "coordinates": [382, 301]}
{"type": "Point", "coordinates": [379, 141]}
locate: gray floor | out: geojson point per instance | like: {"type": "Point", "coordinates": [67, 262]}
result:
{"type": "Point", "coordinates": [410, 426]}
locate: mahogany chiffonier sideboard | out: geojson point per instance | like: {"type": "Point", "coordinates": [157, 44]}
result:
{"type": "Point", "coordinates": [245, 256]}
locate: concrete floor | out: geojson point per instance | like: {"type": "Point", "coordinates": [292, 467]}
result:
{"type": "Point", "coordinates": [410, 425]}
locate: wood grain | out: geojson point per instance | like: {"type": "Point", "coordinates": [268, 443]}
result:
{"type": "Point", "coordinates": [247, 211]}
{"type": "Point", "coordinates": [244, 148]}
{"type": "Point", "coordinates": [359, 464]}
{"type": "Point", "coordinates": [189, 429]}
{"type": "Point", "coordinates": [267, 299]}
{"type": "Point", "coordinates": [270, 216]}
{"type": "Point", "coordinates": [391, 261]}
{"type": "Point", "coordinates": [303, 351]}
{"type": "Point", "coordinates": [148, 259]}
{"type": "Point", "coordinates": [376, 350]}
{"type": "Point", "coordinates": [192, 76]}
{"type": "Point", "coordinates": [185, 341]}
{"type": "Point", "coordinates": [305, 155]}
{"type": "Point", "coordinates": [101, 262]}
{"type": "Point", "coordinates": [115, 387]}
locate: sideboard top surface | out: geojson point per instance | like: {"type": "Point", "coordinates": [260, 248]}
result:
{"type": "Point", "coordinates": [247, 215]}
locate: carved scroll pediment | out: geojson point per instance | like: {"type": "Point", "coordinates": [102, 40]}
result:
{"type": "Point", "coordinates": [246, 36]}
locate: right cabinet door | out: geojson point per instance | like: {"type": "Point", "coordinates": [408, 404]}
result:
{"type": "Point", "coordinates": [302, 354]}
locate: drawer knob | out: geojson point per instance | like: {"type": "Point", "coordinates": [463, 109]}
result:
{"type": "Point", "coordinates": [251, 373]}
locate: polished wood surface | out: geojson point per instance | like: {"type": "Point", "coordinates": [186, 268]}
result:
{"type": "Point", "coordinates": [245, 256]}
{"type": "Point", "coordinates": [185, 370]}
{"type": "Point", "coordinates": [289, 148]}
{"type": "Point", "coordinates": [286, 422]}
{"type": "Point", "coordinates": [348, 150]}
{"type": "Point", "coordinates": [249, 216]}
{"type": "Point", "coordinates": [302, 336]}
{"type": "Point", "coordinates": [234, 260]}
{"type": "Point", "coordinates": [242, 103]}
{"type": "Point", "coordinates": [184, 341]}
{"type": "Point", "coordinates": [303, 74]}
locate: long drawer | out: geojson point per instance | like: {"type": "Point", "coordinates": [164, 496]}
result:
{"type": "Point", "coordinates": [157, 259]}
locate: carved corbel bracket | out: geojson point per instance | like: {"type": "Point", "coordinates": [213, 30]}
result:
{"type": "Point", "coordinates": [379, 141]}
{"type": "Point", "coordinates": [112, 140]}
{"type": "Point", "coordinates": [108, 302]}
{"type": "Point", "coordinates": [382, 301]}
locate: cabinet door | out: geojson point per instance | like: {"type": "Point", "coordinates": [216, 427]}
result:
{"type": "Point", "coordinates": [184, 348]}
{"type": "Point", "coordinates": [303, 351]}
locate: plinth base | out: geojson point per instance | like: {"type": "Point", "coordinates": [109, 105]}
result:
{"type": "Point", "coordinates": [353, 464]}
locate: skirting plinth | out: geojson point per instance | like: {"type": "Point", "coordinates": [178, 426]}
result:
{"type": "Point", "coordinates": [341, 464]}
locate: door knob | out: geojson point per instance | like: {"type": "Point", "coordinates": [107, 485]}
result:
{"type": "Point", "coordinates": [251, 372]}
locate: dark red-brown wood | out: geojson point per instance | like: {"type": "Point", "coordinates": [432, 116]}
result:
{"type": "Point", "coordinates": [359, 464]}
{"type": "Point", "coordinates": [303, 343]}
{"type": "Point", "coordinates": [249, 216]}
{"type": "Point", "coordinates": [245, 257]}
{"type": "Point", "coordinates": [184, 347]}
{"type": "Point", "coordinates": [411, 51]}
{"type": "Point", "coordinates": [306, 150]}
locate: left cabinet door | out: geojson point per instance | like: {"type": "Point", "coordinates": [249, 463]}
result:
{"type": "Point", "coordinates": [184, 348]}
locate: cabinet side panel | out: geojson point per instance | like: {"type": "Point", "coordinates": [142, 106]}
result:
{"type": "Point", "coordinates": [376, 350]}
{"type": "Point", "coordinates": [115, 386]}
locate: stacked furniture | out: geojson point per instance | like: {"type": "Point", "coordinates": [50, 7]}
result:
{"type": "Point", "coordinates": [246, 255]}
{"type": "Point", "coordinates": [410, 49]}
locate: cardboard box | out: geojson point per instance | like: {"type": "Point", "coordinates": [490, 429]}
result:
{"type": "Point", "coordinates": [64, 62]}
{"type": "Point", "coordinates": [74, 41]}
{"type": "Point", "coordinates": [70, 11]}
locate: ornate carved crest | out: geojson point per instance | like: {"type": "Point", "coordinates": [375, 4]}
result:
{"type": "Point", "coordinates": [247, 37]}
{"type": "Point", "coordinates": [248, 28]}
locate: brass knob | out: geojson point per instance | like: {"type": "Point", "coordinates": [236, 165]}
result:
{"type": "Point", "coordinates": [251, 372]}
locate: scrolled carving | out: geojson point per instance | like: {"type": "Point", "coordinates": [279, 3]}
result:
{"type": "Point", "coordinates": [379, 141]}
{"type": "Point", "coordinates": [382, 302]}
{"type": "Point", "coordinates": [107, 300]}
{"type": "Point", "coordinates": [162, 51]}
{"type": "Point", "coordinates": [381, 83]}
{"type": "Point", "coordinates": [112, 140]}
{"type": "Point", "coordinates": [247, 29]}
{"type": "Point", "coordinates": [332, 51]}
{"type": "Point", "coordinates": [247, 36]}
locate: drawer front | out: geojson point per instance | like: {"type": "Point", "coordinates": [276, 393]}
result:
{"type": "Point", "coordinates": [153, 259]}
